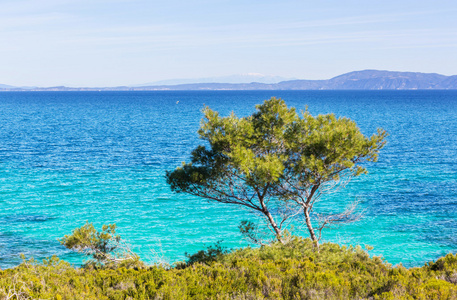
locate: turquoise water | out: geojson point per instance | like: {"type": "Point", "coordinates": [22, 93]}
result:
{"type": "Point", "coordinates": [68, 157]}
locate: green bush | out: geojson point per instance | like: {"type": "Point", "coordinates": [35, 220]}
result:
{"type": "Point", "coordinates": [106, 248]}
{"type": "Point", "coordinates": [211, 254]}
{"type": "Point", "coordinates": [292, 271]}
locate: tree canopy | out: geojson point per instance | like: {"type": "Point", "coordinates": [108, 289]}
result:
{"type": "Point", "coordinates": [275, 162]}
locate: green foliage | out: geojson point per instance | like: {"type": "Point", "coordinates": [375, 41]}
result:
{"type": "Point", "coordinates": [275, 161]}
{"type": "Point", "coordinates": [88, 240]}
{"type": "Point", "coordinates": [292, 271]}
{"type": "Point", "coordinates": [250, 231]}
{"type": "Point", "coordinates": [105, 247]}
{"type": "Point", "coordinates": [211, 254]}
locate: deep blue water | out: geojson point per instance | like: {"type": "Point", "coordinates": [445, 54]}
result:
{"type": "Point", "coordinates": [68, 157]}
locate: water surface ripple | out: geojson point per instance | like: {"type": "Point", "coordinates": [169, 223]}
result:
{"type": "Point", "coordinates": [68, 157]}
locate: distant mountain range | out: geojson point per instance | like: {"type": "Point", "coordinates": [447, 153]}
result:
{"type": "Point", "coordinates": [239, 78]}
{"type": "Point", "coordinates": [358, 80]}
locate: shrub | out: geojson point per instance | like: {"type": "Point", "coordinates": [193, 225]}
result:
{"type": "Point", "coordinates": [292, 271]}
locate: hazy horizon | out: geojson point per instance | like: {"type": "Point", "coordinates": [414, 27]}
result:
{"type": "Point", "coordinates": [229, 79]}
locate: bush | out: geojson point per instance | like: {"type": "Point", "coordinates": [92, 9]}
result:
{"type": "Point", "coordinates": [292, 271]}
{"type": "Point", "coordinates": [105, 247]}
{"type": "Point", "coordinates": [211, 254]}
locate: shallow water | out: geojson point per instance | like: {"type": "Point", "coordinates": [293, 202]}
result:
{"type": "Point", "coordinates": [68, 157]}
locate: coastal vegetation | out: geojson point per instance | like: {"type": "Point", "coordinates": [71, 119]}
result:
{"type": "Point", "coordinates": [278, 271]}
{"type": "Point", "coordinates": [278, 164]}
{"type": "Point", "coordinates": [105, 248]}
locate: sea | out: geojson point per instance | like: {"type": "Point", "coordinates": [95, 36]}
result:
{"type": "Point", "coordinates": [67, 158]}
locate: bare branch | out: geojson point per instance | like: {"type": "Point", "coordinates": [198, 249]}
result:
{"type": "Point", "coordinates": [346, 217]}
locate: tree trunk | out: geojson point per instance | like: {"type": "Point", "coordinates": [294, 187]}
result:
{"type": "Point", "coordinates": [275, 227]}
{"type": "Point", "coordinates": [270, 218]}
{"type": "Point", "coordinates": [311, 229]}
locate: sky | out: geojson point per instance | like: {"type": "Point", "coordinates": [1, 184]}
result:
{"type": "Point", "coordinates": [100, 43]}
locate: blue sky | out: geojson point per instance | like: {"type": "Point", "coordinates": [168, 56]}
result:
{"type": "Point", "coordinates": [120, 42]}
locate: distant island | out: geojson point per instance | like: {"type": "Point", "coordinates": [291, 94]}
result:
{"type": "Point", "coordinates": [357, 80]}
